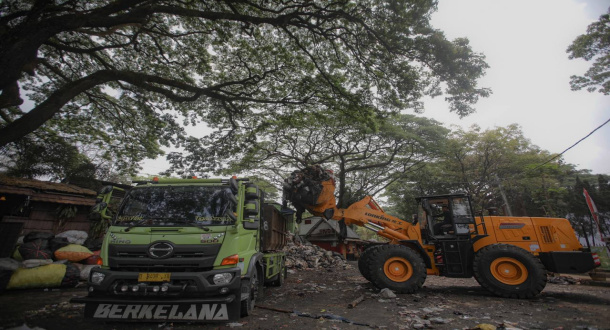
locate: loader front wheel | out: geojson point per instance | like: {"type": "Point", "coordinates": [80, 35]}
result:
{"type": "Point", "coordinates": [397, 268]}
{"type": "Point", "coordinates": [509, 271]}
{"type": "Point", "coordinates": [364, 261]}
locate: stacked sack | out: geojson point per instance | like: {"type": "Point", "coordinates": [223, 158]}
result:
{"type": "Point", "coordinates": [48, 261]}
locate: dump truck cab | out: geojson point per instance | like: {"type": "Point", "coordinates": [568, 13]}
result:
{"type": "Point", "coordinates": [186, 250]}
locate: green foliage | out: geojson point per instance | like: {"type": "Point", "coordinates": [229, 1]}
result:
{"type": "Point", "coordinates": [46, 155]}
{"type": "Point", "coordinates": [598, 187]}
{"type": "Point", "coordinates": [364, 160]}
{"type": "Point", "coordinates": [480, 163]}
{"type": "Point", "coordinates": [119, 79]}
{"type": "Point", "coordinates": [594, 45]}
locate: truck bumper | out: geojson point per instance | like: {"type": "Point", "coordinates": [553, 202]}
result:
{"type": "Point", "coordinates": [568, 262]}
{"type": "Point", "coordinates": [185, 296]}
{"type": "Point", "coordinates": [162, 310]}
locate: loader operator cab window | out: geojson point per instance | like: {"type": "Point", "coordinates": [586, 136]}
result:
{"type": "Point", "coordinates": [442, 218]}
{"type": "Point", "coordinates": [446, 217]}
{"type": "Point", "coordinates": [462, 215]}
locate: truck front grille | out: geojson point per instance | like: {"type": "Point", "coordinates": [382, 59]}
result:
{"type": "Point", "coordinates": [136, 257]}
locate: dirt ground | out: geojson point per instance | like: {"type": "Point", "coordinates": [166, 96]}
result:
{"type": "Point", "coordinates": [318, 299]}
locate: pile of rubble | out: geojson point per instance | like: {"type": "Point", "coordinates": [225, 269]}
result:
{"type": "Point", "coordinates": [559, 279]}
{"type": "Point", "coordinates": [308, 256]}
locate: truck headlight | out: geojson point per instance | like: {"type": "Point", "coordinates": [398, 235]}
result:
{"type": "Point", "coordinates": [222, 278]}
{"type": "Point", "coordinates": [97, 278]}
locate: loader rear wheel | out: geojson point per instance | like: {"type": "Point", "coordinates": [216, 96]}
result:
{"type": "Point", "coordinates": [364, 260]}
{"type": "Point", "coordinates": [509, 271]}
{"type": "Point", "coordinates": [397, 268]}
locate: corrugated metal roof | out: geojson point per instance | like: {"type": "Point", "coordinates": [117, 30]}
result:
{"type": "Point", "coordinates": [45, 186]}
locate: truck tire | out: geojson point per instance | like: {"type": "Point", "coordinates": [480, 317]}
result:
{"type": "Point", "coordinates": [397, 268]}
{"type": "Point", "coordinates": [509, 271]}
{"type": "Point", "coordinates": [255, 292]}
{"type": "Point", "coordinates": [364, 260]}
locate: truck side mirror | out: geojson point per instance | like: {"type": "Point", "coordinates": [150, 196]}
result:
{"type": "Point", "coordinates": [252, 207]}
{"type": "Point", "coordinates": [232, 200]}
{"type": "Point", "coordinates": [105, 190]}
{"type": "Point", "coordinates": [233, 185]}
{"type": "Point", "coordinates": [252, 223]}
{"type": "Point", "coordinates": [99, 207]}
{"type": "Point", "coordinates": [252, 192]}
{"type": "Point", "coordinates": [96, 211]}
{"type": "Point", "coordinates": [231, 215]}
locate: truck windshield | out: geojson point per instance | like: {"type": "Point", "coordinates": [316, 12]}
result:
{"type": "Point", "coordinates": [175, 206]}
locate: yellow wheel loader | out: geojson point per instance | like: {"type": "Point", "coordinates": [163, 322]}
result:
{"type": "Point", "coordinates": [509, 256]}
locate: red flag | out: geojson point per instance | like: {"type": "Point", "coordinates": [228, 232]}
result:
{"type": "Point", "coordinates": [592, 208]}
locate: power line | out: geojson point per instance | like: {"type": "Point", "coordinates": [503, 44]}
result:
{"type": "Point", "coordinates": [572, 146]}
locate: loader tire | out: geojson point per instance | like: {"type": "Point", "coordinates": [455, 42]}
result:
{"type": "Point", "coordinates": [364, 260]}
{"type": "Point", "coordinates": [509, 271]}
{"type": "Point", "coordinates": [397, 268]}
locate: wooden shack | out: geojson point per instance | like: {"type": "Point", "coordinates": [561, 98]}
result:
{"type": "Point", "coordinates": [44, 206]}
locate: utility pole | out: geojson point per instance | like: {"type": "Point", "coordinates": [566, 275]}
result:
{"type": "Point", "coordinates": [508, 210]}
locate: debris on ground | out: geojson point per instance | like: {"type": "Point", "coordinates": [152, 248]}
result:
{"type": "Point", "coordinates": [566, 280]}
{"type": "Point", "coordinates": [387, 293]}
{"type": "Point", "coordinates": [309, 256]}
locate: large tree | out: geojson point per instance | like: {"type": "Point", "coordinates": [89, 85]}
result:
{"type": "Point", "coordinates": [365, 160]}
{"type": "Point", "coordinates": [486, 164]}
{"type": "Point", "coordinates": [594, 45]}
{"type": "Point", "coordinates": [123, 76]}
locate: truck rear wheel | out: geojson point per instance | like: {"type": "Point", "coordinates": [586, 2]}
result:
{"type": "Point", "coordinates": [509, 271]}
{"type": "Point", "coordinates": [397, 268]}
{"type": "Point", "coordinates": [255, 292]}
{"type": "Point", "coordinates": [278, 280]}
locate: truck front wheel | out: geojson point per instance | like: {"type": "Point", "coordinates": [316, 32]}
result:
{"type": "Point", "coordinates": [509, 271]}
{"type": "Point", "coordinates": [397, 268]}
{"type": "Point", "coordinates": [255, 292]}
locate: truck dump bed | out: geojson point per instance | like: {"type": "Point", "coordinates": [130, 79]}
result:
{"type": "Point", "coordinates": [273, 229]}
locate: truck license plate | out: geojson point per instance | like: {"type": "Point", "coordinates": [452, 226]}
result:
{"type": "Point", "coordinates": [154, 277]}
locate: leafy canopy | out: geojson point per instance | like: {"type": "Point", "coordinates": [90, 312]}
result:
{"type": "Point", "coordinates": [122, 77]}
{"type": "Point", "coordinates": [594, 45]}
{"type": "Point", "coordinates": [479, 162]}
{"type": "Point", "coordinates": [364, 160]}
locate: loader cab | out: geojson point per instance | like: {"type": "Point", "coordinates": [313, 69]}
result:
{"type": "Point", "coordinates": [446, 217]}
{"type": "Point", "coordinates": [447, 223]}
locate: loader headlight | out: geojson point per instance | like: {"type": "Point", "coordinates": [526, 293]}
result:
{"type": "Point", "coordinates": [97, 278]}
{"type": "Point", "coordinates": [222, 278]}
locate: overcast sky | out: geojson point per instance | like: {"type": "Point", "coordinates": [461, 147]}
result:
{"type": "Point", "coordinates": [525, 43]}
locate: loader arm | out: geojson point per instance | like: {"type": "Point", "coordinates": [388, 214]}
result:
{"type": "Point", "coordinates": [364, 213]}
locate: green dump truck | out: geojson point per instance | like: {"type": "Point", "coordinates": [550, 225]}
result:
{"type": "Point", "coordinates": [187, 250]}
